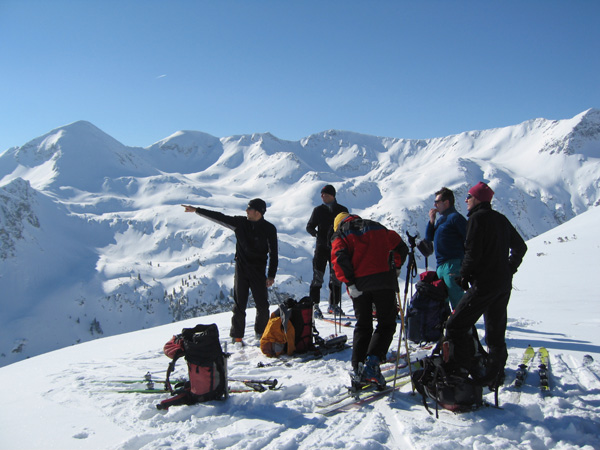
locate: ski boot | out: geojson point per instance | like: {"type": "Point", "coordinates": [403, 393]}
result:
{"type": "Point", "coordinates": [336, 310]}
{"type": "Point", "coordinates": [371, 372]}
{"type": "Point", "coordinates": [317, 314]}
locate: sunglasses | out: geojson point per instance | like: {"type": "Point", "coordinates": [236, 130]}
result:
{"type": "Point", "coordinates": [469, 196]}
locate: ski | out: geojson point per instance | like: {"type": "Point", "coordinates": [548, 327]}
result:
{"type": "Point", "coordinates": [322, 351]}
{"type": "Point", "coordinates": [135, 381]}
{"type": "Point", "coordinates": [355, 394]}
{"type": "Point", "coordinates": [344, 323]}
{"type": "Point", "coordinates": [543, 370]}
{"type": "Point", "coordinates": [528, 356]}
{"type": "Point", "coordinates": [165, 391]}
{"type": "Point", "coordinates": [140, 391]}
{"type": "Point", "coordinates": [259, 385]}
{"type": "Point", "coordinates": [302, 358]}
{"type": "Point", "coordinates": [365, 395]}
{"type": "Point", "coordinates": [146, 379]}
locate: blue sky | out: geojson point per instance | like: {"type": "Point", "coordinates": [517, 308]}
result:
{"type": "Point", "coordinates": [142, 70]}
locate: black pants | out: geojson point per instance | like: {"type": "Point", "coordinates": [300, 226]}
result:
{"type": "Point", "coordinates": [249, 279]}
{"type": "Point", "coordinates": [492, 304]}
{"type": "Point", "coordinates": [321, 258]}
{"type": "Point", "coordinates": [367, 342]}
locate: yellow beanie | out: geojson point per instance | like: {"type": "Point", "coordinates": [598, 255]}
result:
{"type": "Point", "coordinates": [338, 220]}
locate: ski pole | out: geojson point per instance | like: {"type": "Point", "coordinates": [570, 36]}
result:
{"type": "Point", "coordinates": [398, 353]}
{"type": "Point", "coordinates": [410, 269]}
{"type": "Point", "coordinates": [226, 357]}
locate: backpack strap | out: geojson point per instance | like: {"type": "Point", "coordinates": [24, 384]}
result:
{"type": "Point", "coordinates": [170, 370]}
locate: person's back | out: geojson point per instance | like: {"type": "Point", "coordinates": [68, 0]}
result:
{"type": "Point", "coordinates": [490, 238]}
{"type": "Point", "coordinates": [369, 263]}
{"type": "Point", "coordinates": [366, 256]}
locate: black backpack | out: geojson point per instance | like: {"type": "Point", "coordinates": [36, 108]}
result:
{"type": "Point", "coordinates": [428, 309]}
{"type": "Point", "coordinates": [451, 387]}
{"type": "Point", "coordinates": [206, 363]}
{"type": "Point", "coordinates": [302, 320]}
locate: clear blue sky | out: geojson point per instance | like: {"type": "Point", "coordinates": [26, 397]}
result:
{"type": "Point", "coordinates": [142, 70]}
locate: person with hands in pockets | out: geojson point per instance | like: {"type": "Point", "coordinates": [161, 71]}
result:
{"type": "Point", "coordinates": [366, 256]}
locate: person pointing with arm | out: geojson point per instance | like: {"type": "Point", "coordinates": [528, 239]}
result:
{"type": "Point", "coordinates": [256, 243]}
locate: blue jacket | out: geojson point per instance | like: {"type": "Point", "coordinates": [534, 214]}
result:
{"type": "Point", "coordinates": [448, 235]}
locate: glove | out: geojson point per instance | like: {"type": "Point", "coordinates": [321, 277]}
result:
{"type": "Point", "coordinates": [464, 283]}
{"type": "Point", "coordinates": [353, 291]}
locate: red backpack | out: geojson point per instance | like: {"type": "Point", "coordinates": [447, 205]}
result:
{"type": "Point", "coordinates": [207, 371]}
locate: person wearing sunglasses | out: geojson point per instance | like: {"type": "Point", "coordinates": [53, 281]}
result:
{"type": "Point", "coordinates": [256, 241]}
{"type": "Point", "coordinates": [448, 234]}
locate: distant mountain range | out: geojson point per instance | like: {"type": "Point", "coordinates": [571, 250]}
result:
{"type": "Point", "coordinates": [94, 242]}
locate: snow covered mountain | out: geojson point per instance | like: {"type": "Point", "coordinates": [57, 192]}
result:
{"type": "Point", "coordinates": [93, 241]}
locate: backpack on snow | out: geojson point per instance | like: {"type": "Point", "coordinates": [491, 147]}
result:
{"type": "Point", "coordinates": [428, 309]}
{"type": "Point", "coordinates": [206, 363]}
{"type": "Point", "coordinates": [289, 330]}
{"type": "Point", "coordinates": [450, 386]}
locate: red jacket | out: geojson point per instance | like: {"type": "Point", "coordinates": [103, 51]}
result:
{"type": "Point", "coordinates": [367, 254]}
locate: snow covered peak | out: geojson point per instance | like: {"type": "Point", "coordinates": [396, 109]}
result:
{"type": "Point", "coordinates": [78, 156]}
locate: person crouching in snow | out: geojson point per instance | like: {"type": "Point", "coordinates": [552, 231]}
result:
{"type": "Point", "coordinates": [366, 257]}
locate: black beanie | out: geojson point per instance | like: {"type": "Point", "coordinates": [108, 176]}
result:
{"type": "Point", "coordinates": [328, 189]}
{"type": "Point", "coordinates": [258, 205]}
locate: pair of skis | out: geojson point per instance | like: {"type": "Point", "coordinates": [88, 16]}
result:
{"type": "Point", "coordinates": [355, 397]}
{"type": "Point", "coordinates": [310, 356]}
{"type": "Point", "coordinates": [543, 368]}
{"type": "Point", "coordinates": [252, 385]}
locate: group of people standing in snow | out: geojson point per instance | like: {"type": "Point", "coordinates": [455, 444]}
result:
{"type": "Point", "coordinates": [476, 258]}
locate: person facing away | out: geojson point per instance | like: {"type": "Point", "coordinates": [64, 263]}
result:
{"type": "Point", "coordinates": [320, 225]}
{"type": "Point", "coordinates": [493, 252]}
{"type": "Point", "coordinates": [448, 235]}
{"type": "Point", "coordinates": [367, 257]}
{"type": "Point", "coordinates": [256, 241]}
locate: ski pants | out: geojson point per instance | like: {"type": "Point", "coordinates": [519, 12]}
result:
{"type": "Point", "coordinates": [492, 304]}
{"type": "Point", "coordinates": [321, 258]}
{"type": "Point", "coordinates": [448, 271]}
{"type": "Point", "coordinates": [249, 279]}
{"type": "Point", "coordinates": [367, 342]}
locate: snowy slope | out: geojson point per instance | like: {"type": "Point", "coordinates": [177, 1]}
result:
{"type": "Point", "coordinates": [58, 400]}
{"type": "Point", "coordinates": [93, 241]}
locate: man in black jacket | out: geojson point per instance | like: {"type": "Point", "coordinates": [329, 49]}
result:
{"type": "Point", "coordinates": [493, 252]}
{"type": "Point", "coordinates": [256, 239]}
{"type": "Point", "coordinates": [320, 226]}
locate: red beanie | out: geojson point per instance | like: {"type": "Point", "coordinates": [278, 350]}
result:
{"type": "Point", "coordinates": [482, 192]}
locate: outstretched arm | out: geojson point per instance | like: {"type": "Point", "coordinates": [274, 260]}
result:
{"type": "Point", "coordinates": [230, 222]}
